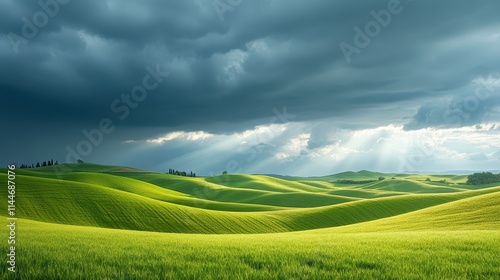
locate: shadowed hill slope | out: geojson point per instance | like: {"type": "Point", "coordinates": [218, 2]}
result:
{"type": "Point", "coordinates": [475, 213]}
{"type": "Point", "coordinates": [77, 203]}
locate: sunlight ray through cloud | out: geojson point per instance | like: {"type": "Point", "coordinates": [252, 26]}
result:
{"type": "Point", "coordinates": [181, 135]}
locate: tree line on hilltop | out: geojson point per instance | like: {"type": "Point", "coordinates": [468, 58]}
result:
{"type": "Point", "coordinates": [483, 178]}
{"type": "Point", "coordinates": [38, 164]}
{"type": "Point", "coordinates": [181, 173]}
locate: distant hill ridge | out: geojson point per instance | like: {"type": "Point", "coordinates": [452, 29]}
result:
{"type": "Point", "coordinates": [126, 198]}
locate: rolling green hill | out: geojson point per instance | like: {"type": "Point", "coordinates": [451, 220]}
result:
{"type": "Point", "coordinates": [102, 219]}
{"type": "Point", "coordinates": [260, 182]}
{"type": "Point", "coordinates": [85, 167]}
{"type": "Point", "coordinates": [239, 204]}
{"type": "Point", "coordinates": [277, 194]}
{"type": "Point", "coordinates": [475, 213]}
{"type": "Point", "coordinates": [408, 186]}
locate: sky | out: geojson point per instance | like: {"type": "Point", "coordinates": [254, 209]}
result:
{"type": "Point", "coordinates": [285, 87]}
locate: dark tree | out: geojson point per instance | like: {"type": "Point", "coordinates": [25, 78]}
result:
{"type": "Point", "coordinates": [172, 171]}
{"type": "Point", "coordinates": [37, 164]}
{"type": "Point", "coordinates": [483, 178]}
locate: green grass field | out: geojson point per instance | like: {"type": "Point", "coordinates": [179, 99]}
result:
{"type": "Point", "coordinates": [86, 221]}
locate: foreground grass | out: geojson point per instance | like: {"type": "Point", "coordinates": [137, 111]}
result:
{"type": "Point", "coordinates": [49, 251]}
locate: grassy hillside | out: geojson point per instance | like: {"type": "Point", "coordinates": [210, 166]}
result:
{"type": "Point", "coordinates": [438, 178]}
{"type": "Point", "coordinates": [217, 189]}
{"type": "Point", "coordinates": [408, 186]}
{"type": "Point", "coordinates": [474, 213]}
{"type": "Point", "coordinates": [76, 203]}
{"type": "Point", "coordinates": [358, 192]}
{"type": "Point", "coordinates": [105, 200]}
{"type": "Point", "coordinates": [163, 194]}
{"type": "Point", "coordinates": [260, 182]}
{"type": "Point", "coordinates": [112, 222]}
{"type": "Point", "coordinates": [350, 175]}
{"type": "Point", "coordinates": [85, 167]}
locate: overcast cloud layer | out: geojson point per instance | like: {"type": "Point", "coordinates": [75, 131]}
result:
{"type": "Point", "coordinates": [263, 86]}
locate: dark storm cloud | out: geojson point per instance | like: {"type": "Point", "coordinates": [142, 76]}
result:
{"type": "Point", "coordinates": [463, 110]}
{"type": "Point", "coordinates": [228, 75]}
